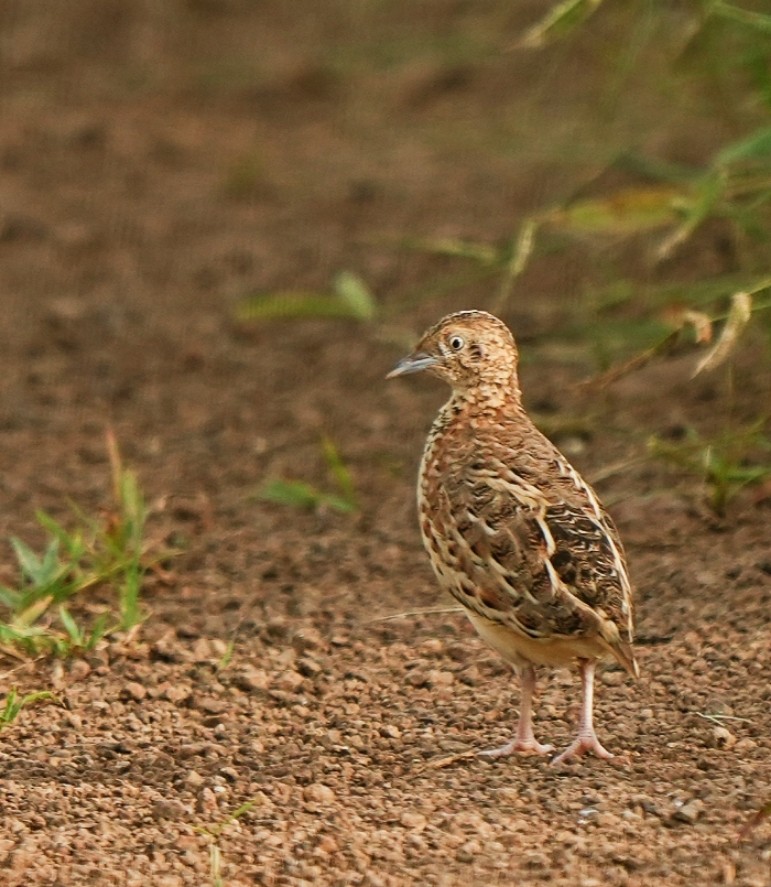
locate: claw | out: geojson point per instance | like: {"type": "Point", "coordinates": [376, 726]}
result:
{"type": "Point", "coordinates": [580, 746]}
{"type": "Point", "coordinates": [587, 740]}
{"type": "Point", "coordinates": [527, 746]}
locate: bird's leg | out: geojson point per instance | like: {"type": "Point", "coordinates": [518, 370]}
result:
{"type": "Point", "coordinates": [587, 739]}
{"type": "Point", "coordinates": [523, 741]}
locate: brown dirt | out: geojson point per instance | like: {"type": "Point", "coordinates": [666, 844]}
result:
{"type": "Point", "coordinates": [156, 166]}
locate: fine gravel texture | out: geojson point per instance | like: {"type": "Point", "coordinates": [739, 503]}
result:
{"type": "Point", "coordinates": [301, 706]}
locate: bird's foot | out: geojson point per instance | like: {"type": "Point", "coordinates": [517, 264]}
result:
{"type": "Point", "coordinates": [580, 746]}
{"type": "Point", "coordinates": [523, 746]}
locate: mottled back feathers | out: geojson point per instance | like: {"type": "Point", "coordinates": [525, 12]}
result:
{"type": "Point", "coordinates": [513, 532]}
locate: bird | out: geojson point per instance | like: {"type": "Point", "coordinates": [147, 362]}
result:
{"type": "Point", "coordinates": [512, 530]}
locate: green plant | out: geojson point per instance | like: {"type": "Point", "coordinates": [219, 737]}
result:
{"type": "Point", "coordinates": [213, 834]}
{"type": "Point", "coordinates": [349, 298]}
{"type": "Point", "coordinates": [300, 494]}
{"type": "Point", "coordinates": [14, 703]}
{"type": "Point", "coordinates": [104, 552]}
{"type": "Point", "coordinates": [726, 464]}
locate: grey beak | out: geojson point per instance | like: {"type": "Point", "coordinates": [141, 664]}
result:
{"type": "Point", "coordinates": [413, 363]}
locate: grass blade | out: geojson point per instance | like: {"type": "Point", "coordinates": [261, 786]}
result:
{"type": "Point", "coordinates": [558, 22]}
{"type": "Point", "coordinates": [354, 293]}
{"type": "Point", "coordinates": [339, 471]}
{"type": "Point", "coordinates": [628, 211]}
{"type": "Point", "coordinates": [755, 147]}
{"type": "Point", "coordinates": [738, 318]}
{"type": "Point", "coordinates": [757, 20]}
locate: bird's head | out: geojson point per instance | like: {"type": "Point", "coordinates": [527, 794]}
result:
{"type": "Point", "coordinates": [468, 350]}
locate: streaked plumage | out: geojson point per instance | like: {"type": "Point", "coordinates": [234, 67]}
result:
{"type": "Point", "coordinates": [512, 530]}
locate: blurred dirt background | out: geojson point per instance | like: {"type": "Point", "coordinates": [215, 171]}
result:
{"type": "Point", "coordinates": [159, 163]}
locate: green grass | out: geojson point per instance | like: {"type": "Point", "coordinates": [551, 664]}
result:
{"type": "Point", "coordinates": [349, 299]}
{"type": "Point", "coordinates": [14, 703]}
{"type": "Point", "coordinates": [213, 834]}
{"type": "Point", "coordinates": [725, 464]}
{"type": "Point", "coordinates": [85, 582]}
{"type": "Point", "coordinates": [303, 495]}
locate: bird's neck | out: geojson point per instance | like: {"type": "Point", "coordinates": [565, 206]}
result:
{"type": "Point", "coordinates": [486, 398]}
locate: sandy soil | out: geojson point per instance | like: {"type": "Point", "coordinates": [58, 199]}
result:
{"type": "Point", "coordinates": [157, 166]}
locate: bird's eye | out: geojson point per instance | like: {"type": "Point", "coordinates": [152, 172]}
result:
{"type": "Point", "coordinates": [456, 342]}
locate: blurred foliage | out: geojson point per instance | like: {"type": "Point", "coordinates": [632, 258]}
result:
{"type": "Point", "coordinates": [14, 703]}
{"type": "Point", "coordinates": [303, 495]}
{"type": "Point", "coordinates": [104, 551]}
{"type": "Point", "coordinates": [350, 298]}
{"type": "Point", "coordinates": [726, 464]}
{"type": "Point", "coordinates": [662, 213]}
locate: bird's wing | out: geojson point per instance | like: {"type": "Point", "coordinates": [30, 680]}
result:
{"type": "Point", "coordinates": [547, 563]}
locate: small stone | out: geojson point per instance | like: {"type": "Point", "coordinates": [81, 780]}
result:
{"type": "Point", "coordinates": [390, 731]}
{"type": "Point", "coordinates": [212, 706]}
{"type": "Point", "coordinates": [309, 667]}
{"type": "Point", "coordinates": [203, 650]}
{"type": "Point", "coordinates": [326, 845]}
{"type": "Point", "coordinates": [437, 678]}
{"type": "Point", "coordinates": [417, 679]}
{"type": "Point", "coordinates": [289, 681]}
{"type": "Point", "coordinates": [252, 679]}
{"type": "Point", "coordinates": [613, 678]}
{"type": "Point", "coordinates": [168, 808]}
{"type": "Point", "coordinates": [134, 690]}
{"type": "Point", "coordinates": [413, 821]}
{"type": "Point", "coordinates": [432, 647]}
{"type": "Point", "coordinates": [176, 693]}
{"type": "Point", "coordinates": [688, 813]}
{"type": "Point", "coordinates": [318, 793]}
{"type": "Point", "coordinates": [194, 779]}
{"type": "Point", "coordinates": [79, 670]}
{"type": "Point", "coordinates": [723, 737]}
{"type": "Point", "coordinates": [308, 639]}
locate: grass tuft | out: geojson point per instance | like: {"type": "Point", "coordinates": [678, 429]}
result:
{"type": "Point", "coordinates": [15, 702]}
{"type": "Point", "coordinates": [350, 298]}
{"type": "Point", "coordinates": [300, 494]}
{"type": "Point", "coordinates": [214, 834]}
{"type": "Point", "coordinates": [726, 464]}
{"type": "Point", "coordinates": [54, 609]}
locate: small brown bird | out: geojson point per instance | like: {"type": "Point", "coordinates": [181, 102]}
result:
{"type": "Point", "coordinates": [512, 530]}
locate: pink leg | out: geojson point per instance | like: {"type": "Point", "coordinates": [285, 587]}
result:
{"type": "Point", "coordinates": [587, 739]}
{"type": "Point", "coordinates": [524, 741]}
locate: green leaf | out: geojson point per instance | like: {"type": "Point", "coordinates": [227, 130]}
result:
{"type": "Point", "coordinates": [559, 22]}
{"type": "Point", "coordinates": [707, 194]}
{"type": "Point", "coordinates": [452, 248]}
{"type": "Point", "coordinates": [98, 630]}
{"type": "Point", "coordinates": [299, 494]}
{"type": "Point", "coordinates": [755, 147]}
{"type": "Point", "coordinates": [71, 543]}
{"type": "Point", "coordinates": [71, 627]}
{"type": "Point", "coordinates": [625, 212]}
{"type": "Point", "coordinates": [40, 571]}
{"type": "Point", "coordinates": [290, 492]}
{"type": "Point", "coordinates": [9, 597]}
{"type": "Point", "coordinates": [354, 293]}
{"type": "Point", "coordinates": [339, 471]}
{"type": "Point", "coordinates": [130, 610]}
{"type": "Point", "coordinates": [757, 20]}
{"type": "Point", "coordinates": [15, 703]}
{"type": "Point", "coordinates": [351, 299]}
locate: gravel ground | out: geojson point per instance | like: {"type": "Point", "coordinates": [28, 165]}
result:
{"type": "Point", "coordinates": [285, 716]}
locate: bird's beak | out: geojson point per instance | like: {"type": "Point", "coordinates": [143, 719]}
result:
{"type": "Point", "coordinates": [413, 363]}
